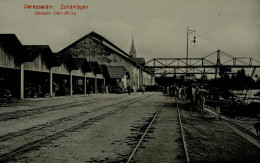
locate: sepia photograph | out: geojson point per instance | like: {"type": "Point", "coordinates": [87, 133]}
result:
{"type": "Point", "coordinates": [131, 81]}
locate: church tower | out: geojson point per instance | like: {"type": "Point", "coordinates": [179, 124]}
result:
{"type": "Point", "coordinates": [132, 52]}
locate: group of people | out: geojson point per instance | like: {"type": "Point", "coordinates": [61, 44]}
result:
{"type": "Point", "coordinates": [129, 89]}
{"type": "Point", "coordinates": [194, 93]}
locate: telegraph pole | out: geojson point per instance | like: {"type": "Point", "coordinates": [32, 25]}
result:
{"type": "Point", "coordinates": [187, 54]}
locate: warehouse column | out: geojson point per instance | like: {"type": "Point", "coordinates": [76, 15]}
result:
{"type": "Point", "coordinates": [96, 84]}
{"type": "Point", "coordinates": [22, 81]}
{"type": "Point", "coordinates": [138, 78]}
{"type": "Point", "coordinates": [85, 84]}
{"type": "Point", "coordinates": [51, 81]}
{"type": "Point", "coordinates": [71, 83]}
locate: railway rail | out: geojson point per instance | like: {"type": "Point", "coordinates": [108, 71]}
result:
{"type": "Point", "coordinates": [182, 132]}
{"type": "Point", "coordinates": [149, 126]}
{"type": "Point", "coordinates": [225, 121]}
{"type": "Point", "coordinates": [40, 110]}
{"type": "Point", "coordinates": [40, 135]}
{"type": "Point", "coordinates": [144, 134]}
{"type": "Point", "coordinates": [32, 138]}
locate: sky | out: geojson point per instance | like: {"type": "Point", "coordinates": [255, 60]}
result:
{"type": "Point", "coordinates": [159, 27]}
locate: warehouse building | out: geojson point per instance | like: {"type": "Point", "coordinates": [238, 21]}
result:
{"type": "Point", "coordinates": [35, 71]}
{"type": "Point", "coordinates": [11, 52]}
{"type": "Point", "coordinates": [95, 47]}
{"type": "Point", "coordinates": [86, 66]}
{"type": "Point", "coordinates": [118, 76]}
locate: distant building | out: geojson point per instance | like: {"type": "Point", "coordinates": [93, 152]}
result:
{"type": "Point", "coordinates": [118, 76]}
{"type": "Point", "coordinates": [95, 47]}
{"type": "Point", "coordinates": [132, 52]}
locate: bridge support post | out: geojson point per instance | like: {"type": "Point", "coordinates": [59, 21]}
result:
{"type": "Point", "coordinates": [217, 64]}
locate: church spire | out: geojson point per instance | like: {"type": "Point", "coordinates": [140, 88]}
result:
{"type": "Point", "coordinates": [132, 52]}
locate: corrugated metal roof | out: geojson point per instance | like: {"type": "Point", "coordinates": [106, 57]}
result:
{"type": "Point", "coordinates": [79, 61]}
{"type": "Point", "coordinates": [82, 63]}
{"type": "Point", "coordinates": [59, 58]}
{"type": "Point", "coordinates": [94, 67]}
{"type": "Point", "coordinates": [12, 45]}
{"type": "Point", "coordinates": [116, 72]}
{"type": "Point", "coordinates": [66, 58]}
{"type": "Point", "coordinates": [100, 39]}
{"type": "Point", "coordinates": [139, 61]}
{"type": "Point", "coordinates": [104, 70]}
{"type": "Point", "coordinates": [33, 51]}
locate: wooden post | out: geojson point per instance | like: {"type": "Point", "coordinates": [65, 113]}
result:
{"type": "Point", "coordinates": [85, 84]}
{"type": "Point", "coordinates": [234, 61]}
{"type": "Point", "coordinates": [218, 58]}
{"type": "Point", "coordinates": [51, 81]}
{"type": "Point", "coordinates": [138, 77]}
{"type": "Point", "coordinates": [96, 91]}
{"type": "Point", "coordinates": [217, 64]}
{"type": "Point", "coordinates": [22, 81]}
{"type": "Point", "coordinates": [71, 83]}
{"type": "Point", "coordinates": [175, 71]}
{"type": "Point", "coordinates": [216, 73]}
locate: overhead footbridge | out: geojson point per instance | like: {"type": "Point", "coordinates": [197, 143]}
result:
{"type": "Point", "coordinates": [216, 63]}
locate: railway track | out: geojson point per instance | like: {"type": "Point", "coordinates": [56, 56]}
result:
{"type": "Point", "coordinates": [182, 132]}
{"type": "Point", "coordinates": [149, 126]}
{"type": "Point", "coordinates": [42, 134]}
{"type": "Point", "coordinates": [144, 134]}
{"type": "Point", "coordinates": [40, 110]}
{"type": "Point", "coordinates": [195, 151]}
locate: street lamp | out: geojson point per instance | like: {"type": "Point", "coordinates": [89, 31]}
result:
{"type": "Point", "coordinates": [194, 41]}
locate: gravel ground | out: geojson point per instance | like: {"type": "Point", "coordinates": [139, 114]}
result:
{"type": "Point", "coordinates": [163, 142]}
{"type": "Point", "coordinates": [247, 122]}
{"type": "Point", "coordinates": [210, 139]}
{"type": "Point", "coordinates": [107, 127]}
{"type": "Point", "coordinates": [102, 129]}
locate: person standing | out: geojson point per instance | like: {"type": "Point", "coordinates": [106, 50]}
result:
{"type": "Point", "coordinates": [197, 96]}
{"type": "Point", "coordinates": [106, 89]}
{"type": "Point", "coordinates": [143, 89]}
{"type": "Point", "coordinates": [103, 89]}
{"type": "Point", "coordinates": [193, 94]}
{"type": "Point", "coordinates": [171, 91]}
{"type": "Point", "coordinates": [88, 88]}
{"type": "Point", "coordinates": [129, 89]}
{"type": "Point", "coordinates": [201, 99]}
{"type": "Point", "coordinates": [190, 95]}
{"type": "Point", "coordinates": [177, 91]}
{"type": "Point", "coordinates": [183, 90]}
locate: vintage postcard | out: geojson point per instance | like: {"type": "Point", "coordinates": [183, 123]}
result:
{"type": "Point", "coordinates": [129, 81]}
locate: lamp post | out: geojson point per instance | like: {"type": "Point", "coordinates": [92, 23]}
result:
{"type": "Point", "coordinates": [188, 33]}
